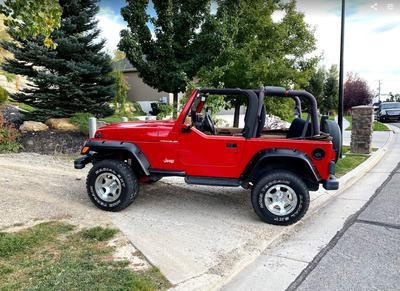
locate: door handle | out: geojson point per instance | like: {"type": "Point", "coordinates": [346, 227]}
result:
{"type": "Point", "coordinates": [231, 145]}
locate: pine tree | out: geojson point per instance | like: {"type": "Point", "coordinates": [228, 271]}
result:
{"type": "Point", "coordinates": [73, 77]}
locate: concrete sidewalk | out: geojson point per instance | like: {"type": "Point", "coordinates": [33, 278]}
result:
{"type": "Point", "coordinates": [364, 255]}
{"type": "Point", "coordinates": [378, 138]}
{"type": "Point", "coordinates": [287, 260]}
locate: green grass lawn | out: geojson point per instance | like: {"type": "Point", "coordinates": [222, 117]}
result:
{"type": "Point", "coordinates": [349, 161]}
{"type": "Point", "coordinates": [377, 126]}
{"type": "Point", "coordinates": [22, 106]}
{"type": "Point", "coordinates": [53, 256]}
{"type": "Point", "coordinates": [81, 120]}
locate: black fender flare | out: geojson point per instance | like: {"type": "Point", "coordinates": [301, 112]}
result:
{"type": "Point", "coordinates": [101, 147]}
{"type": "Point", "coordinates": [273, 155]}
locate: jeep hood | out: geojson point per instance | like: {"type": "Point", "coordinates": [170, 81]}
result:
{"type": "Point", "coordinates": [135, 130]}
{"type": "Point", "coordinates": [140, 124]}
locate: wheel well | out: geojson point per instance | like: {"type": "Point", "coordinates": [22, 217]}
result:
{"type": "Point", "coordinates": [122, 155]}
{"type": "Point", "coordinates": [294, 165]}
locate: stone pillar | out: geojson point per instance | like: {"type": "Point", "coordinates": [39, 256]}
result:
{"type": "Point", "coordinates": [361, 132]}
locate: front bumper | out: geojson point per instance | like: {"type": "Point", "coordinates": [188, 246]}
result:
{"type": "Point", "coordinates": [389, 117]}
{"type": "Point", "coordinates": [81, 162]}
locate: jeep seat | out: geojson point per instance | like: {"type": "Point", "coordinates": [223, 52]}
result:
{"type": "Point", "coordinates": [296, 128]}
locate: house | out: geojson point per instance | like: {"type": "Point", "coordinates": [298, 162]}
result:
{"type": "Point", "coordinates": [138, 90]}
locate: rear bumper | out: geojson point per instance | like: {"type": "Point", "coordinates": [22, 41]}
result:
{"type": "Point", "coordinates": [81, 162]}
{"type": "Point", "coordinates": [331, 184]}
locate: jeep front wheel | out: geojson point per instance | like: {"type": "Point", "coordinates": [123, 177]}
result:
{"type": "Point", "coordinates": [280, 198]}
{"type": "Point", "coordinates": [112, 185]}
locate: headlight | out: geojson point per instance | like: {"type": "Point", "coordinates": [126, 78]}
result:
{"type": "Point", "coordinates": [383, 112]}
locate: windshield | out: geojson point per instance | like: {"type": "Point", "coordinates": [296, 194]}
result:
{"type": "Point", "coordinates": [390, 105]}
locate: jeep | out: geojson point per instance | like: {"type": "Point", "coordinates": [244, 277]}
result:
{"type": "Point", "coordinates": [280, 166]}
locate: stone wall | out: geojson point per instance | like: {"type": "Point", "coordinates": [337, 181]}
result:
{"type": "Point", "coordinates": [361, 132]}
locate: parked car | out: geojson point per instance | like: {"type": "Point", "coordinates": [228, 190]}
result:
{"type": "Point", "coordinates": [389, 111]}
{"type": "Point", "coordinates": [279, 166]}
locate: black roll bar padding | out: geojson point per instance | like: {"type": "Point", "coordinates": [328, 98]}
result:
{"type": "Point", "coordinates": [261, 96]}
{"type": "Point", "coordinates": [282, 92]}
{"type": "Point", "coordinates": [298, 105]}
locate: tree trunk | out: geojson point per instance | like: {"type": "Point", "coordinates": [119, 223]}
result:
{"type": "Point", "coordinates": [237, 114]}
{"type": "Point", "coordinates": [175, 106]}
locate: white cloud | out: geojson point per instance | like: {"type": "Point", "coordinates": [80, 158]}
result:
{"type": "Point", "coordinates": [371, 41]}
{"type": "Point", "coordinates": [110, 25]}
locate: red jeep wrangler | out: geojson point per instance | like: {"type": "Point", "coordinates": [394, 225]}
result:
{"type": "Point", "coordinates": [279, 166]}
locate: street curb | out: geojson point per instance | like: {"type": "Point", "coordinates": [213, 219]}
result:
{"type": "Point", "coordinates": [354, 175]}
{"type": "Point", "coordinates": [345, 181]}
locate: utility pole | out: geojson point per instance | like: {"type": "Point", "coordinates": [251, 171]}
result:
{"type": "Point", "coordinates": [341, 70]}
{"type": "Point", "coordinates": [379, 90]}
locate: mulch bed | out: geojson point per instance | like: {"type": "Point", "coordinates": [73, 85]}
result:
{"type": "Point", "coordinates": [52, 142]}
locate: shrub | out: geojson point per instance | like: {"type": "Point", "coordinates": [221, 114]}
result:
{"type": "Point", "coordinates": [137, 109]}
{"type": "Point", "coordinates": [8, 137]}
{"type": "Point", "coordinates": [165, 109]}
{"type": "Point", "coordinates": [81, 119]}
{"type": "Point", "coordinates": [3, 95]}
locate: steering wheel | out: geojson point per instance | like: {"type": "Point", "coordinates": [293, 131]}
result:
{"type": "Point", "coordinates": [208, 124]}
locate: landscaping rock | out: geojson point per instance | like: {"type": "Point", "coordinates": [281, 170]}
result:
{"type": "Point", "coordinates": [62, 124]}
{"type": "Point", "coordinates": [33, 126]}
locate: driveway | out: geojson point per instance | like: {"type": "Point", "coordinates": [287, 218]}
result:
{"type": "Point", "coordinates": [37, 187]}
{"type": "Point", "coordinates": [192, 233]}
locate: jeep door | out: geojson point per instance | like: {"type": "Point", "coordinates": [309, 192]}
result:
{"type": "Point", "coordinates": [219, 153]}
{"type": "Point", "coordinates": [208, 155]}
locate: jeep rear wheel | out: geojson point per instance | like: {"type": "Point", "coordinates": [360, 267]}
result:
{"type": "Point", "coordinates": [280, 198]}
{"type": "Point", "coordinates": [112, 185]}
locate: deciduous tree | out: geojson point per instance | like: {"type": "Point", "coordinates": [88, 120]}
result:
{"type": "Point", "coordinates": [317, 83]}
{"type": "Point", "coordinates": [356, 92]}
{"type": "Point", "coordinates": [32, 18]}
{"type": "Point", "coordinates": [169, 48]}
{"type": "Point", "coordinates": [330, 91]}
{"type": "Point", "coordinates": [263, 50]}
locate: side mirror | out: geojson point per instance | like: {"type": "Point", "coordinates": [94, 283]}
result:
{"type": "Point", "coordinates": [186, 129]}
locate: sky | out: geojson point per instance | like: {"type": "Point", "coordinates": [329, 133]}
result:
{"type": "Point", "coordinates": [372, 35]}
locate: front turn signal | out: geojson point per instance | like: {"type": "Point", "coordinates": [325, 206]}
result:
{"type": "Point", "coordinates": [84, 150]}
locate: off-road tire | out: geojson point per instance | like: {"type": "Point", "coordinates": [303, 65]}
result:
{"type": "Point", "coordinates": [129, 184]}
{"type": "Point", "coordinates": [286, 178]}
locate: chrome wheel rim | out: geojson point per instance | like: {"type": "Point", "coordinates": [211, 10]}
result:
{"type": "Point", "coordinates": [108, 187]}
{"type": "Point", "coordinates": [280, 199]}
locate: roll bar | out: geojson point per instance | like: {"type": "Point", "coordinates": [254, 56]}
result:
{"type": "Point", "coordinates": [255, 102]}
{"type": "Point", "coordinates": [296, 95]}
